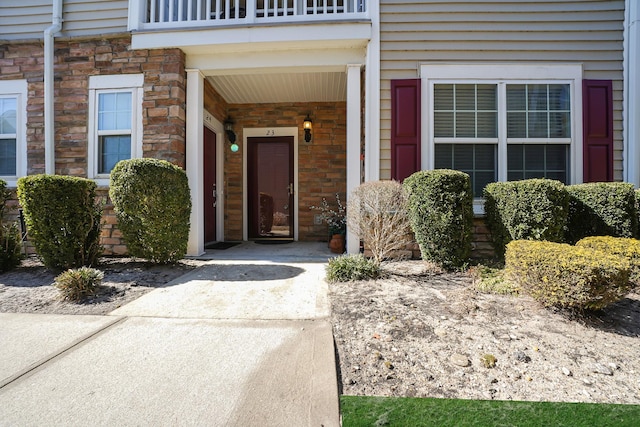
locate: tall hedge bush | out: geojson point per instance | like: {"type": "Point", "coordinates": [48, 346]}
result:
{"type": "Point", "coordinates": [532, 209]}
{"type": "Point", "coordinates": [10, 238]}
{"type": "Point", "coordinates": [441, 215]}
{"type": "Point", "coordinates": [63, 219]}
{"type": "Point", "coordinates": [637, 200]}
{"type": "Point", "coordinates": [152, 203]}
{"type": "Point", "coordinates": [601, 209]}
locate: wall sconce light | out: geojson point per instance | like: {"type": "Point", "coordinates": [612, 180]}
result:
{"type": "Point", "coordinates": [307, 126]}
{"type": "Point", "coordinates": [231, 135]}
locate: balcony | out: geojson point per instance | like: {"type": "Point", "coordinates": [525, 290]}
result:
{"type": "Point", "coordinates": [200, 14]}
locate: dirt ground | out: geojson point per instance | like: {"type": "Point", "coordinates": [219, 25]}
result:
{"type": "Point", "coordinates": [29, 288]}
{"type": "Point", "coordinates": [420, 332]}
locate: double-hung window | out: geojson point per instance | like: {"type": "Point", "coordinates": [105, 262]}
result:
{"type": "Point", "coordinates": [8, 135]}
{"type": "Point", "coordinates": [115, 118]}
{"type": "Point", "coordinates": [13, 95]}
{"type": "Point", "coordinates": [465, 128]}
{"type": "Point", "coordinates": [503, 122]}
{"type": "Point", "coordinates": [538, 131]}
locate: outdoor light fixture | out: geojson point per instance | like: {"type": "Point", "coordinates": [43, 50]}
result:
{"type": "Point", "coordinates": [231, 135]}
{"type": "Point", "coordinates": [307, 126]}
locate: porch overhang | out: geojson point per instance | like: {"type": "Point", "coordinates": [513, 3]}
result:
{"type": "Point", "coordinates": [260, 38]}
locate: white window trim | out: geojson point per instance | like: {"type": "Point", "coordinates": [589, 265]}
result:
{"type": "Point", "coordinates": [116, 83]}
{"type": "Point", "coordinates": [17, 89]}
{"type": "Point", "coordinates": [503, 74]}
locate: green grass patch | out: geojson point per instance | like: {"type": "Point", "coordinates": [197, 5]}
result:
{"type": "Point", "coordinates": [359, 411]}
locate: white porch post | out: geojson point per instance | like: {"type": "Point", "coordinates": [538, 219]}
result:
{"type": "Point", "coordinates": [353, 143]}
{"type": "Point", "coordinates": [372, 98]}
{"type": "Point", "coordinates": [632, 93]}
{"type": "Point", "coordinates": [195, 114]}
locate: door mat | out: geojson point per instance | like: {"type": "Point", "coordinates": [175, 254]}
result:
{"type": "Point", "coordinates": [221, 245]}
{"type": "Point", "coordinates": [272, 242]}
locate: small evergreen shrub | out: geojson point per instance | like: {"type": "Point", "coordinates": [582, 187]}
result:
{"type": "Point", "coordinates": [601, 209]}
{"type": "Point", "coordinates": [628, 248]}
{"type": "Point", "coordinates": [345, 268]}
{"type": "Point", "coordinates": [77, 284]}
{"type": "Point", "coordinates": [565, 276]}
{"type": "Point", "coordinates": [492, 281]}
{"type": "Point", "coordinates": [532, 209]}
{"type": "Point", "coordinates": [152, 203]}
{"type": "Point", "coordinates": [378, 215]}
{"type": "Point", "coordinates": [10, 238]}
{"type": "Point", "coordinates": [63, 219]}
{"type": "Point", "coordinates": [441, 215]}
{"type": "Point", "coordinates": [10, 247]}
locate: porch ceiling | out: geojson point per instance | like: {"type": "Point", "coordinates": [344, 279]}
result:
{"type": "Point", "coordinates": [281, 87]}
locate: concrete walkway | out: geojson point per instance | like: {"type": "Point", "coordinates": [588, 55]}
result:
{"type": "Point", "coordinates": [242, 341]}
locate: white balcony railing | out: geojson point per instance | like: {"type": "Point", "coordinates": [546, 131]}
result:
{"type": "Point", "coordinates": [167, 14]}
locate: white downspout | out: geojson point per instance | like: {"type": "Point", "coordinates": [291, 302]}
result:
{"type": "Point", "coordinates": [49, 125]}
{"type": "Point", "coordinates": [631, 102]}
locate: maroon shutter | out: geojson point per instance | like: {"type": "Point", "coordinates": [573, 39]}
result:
{"type": "Point", "coordinates": [597, 97]}
{"type": "Point", "coordinates": [405, 128]}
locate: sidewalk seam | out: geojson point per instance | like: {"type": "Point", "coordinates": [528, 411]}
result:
{"type": "Point", "coordinates": [59, 352]}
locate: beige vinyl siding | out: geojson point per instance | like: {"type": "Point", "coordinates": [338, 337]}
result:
{"type": "Point", "coordinates": [418, 31]}
{"type": "Point", "coordinates": [24, 19]}
{"type": "Point", "coordinates": [27, 19]}
{"type": "Point", "coordinates": [84, 17]}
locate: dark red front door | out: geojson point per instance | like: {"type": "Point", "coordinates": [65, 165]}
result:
{"type": "Point", "coordinates": [209, 185]}
{"type": "Point", "coordinates": [270, 187]}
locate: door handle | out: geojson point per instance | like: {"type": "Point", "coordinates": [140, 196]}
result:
{"type": "Point", "coordinates": [290, 189]}
{"type": "Point", "coordinates": [214, 193]}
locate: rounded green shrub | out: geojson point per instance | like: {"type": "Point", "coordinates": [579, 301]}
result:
{"type": "Point", "coordinates": [440, 204]}
{"type": "Point", "coordinates": [77, 284]}
{"type": "Point", "coordinates": [10, 237]}
{"type": "Point", "coordinates": [532, 209]}
{"type": "Point", "coordinates": [601, 209]}
{"type": "Point", "coordinates": [623, 246]}
{"type": "Point", "coordinates": [565, 276]}
{"type": "Point", "coordinates": [152, 203]}
{"type": "Point", "coordinates": [63, 219]}
{"type": "Point", "coordinates": [345, 268]}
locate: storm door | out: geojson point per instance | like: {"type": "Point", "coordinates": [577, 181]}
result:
{"type": "Point", "coordinates": [270, 187]}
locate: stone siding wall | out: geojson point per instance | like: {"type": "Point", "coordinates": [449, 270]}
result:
{"type": "Point", "coordinates": [321, 163]}
{"type": "Point", "coordinates": [481, 247]}
{"type": "Point", "coordinates": [163, 114]}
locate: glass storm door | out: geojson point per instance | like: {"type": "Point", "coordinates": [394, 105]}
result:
{"type": "Point", "coordinates": [270, 187]}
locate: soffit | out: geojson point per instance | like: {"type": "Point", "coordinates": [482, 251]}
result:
{"type": "Point", "coordinates": [281, 87]}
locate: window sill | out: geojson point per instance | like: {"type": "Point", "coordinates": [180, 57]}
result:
{"type": "Point", "coordinates": [101, 181]}
{"type": "Point", "coordinates": [478, 207]}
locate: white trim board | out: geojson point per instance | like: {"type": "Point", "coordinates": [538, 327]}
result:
{"type": "Point", "coordinates": [498, 73]}
{"type": "Point", "coordinates": [217, 127]}
{"type": "Point", "coordinates": [19, 90]}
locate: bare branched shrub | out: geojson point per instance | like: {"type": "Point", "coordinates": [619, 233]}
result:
{"type": "Point", "coordinates": [378, 215]}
